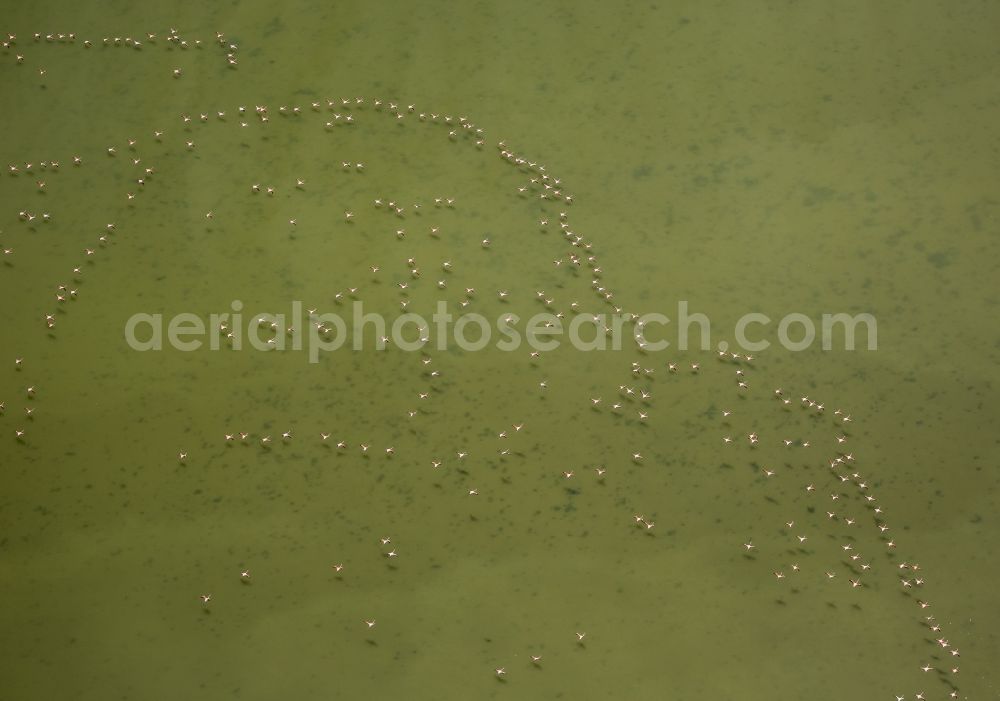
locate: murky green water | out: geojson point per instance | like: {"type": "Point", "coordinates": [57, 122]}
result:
{"type": "Point", "coordinates": [802, 159]}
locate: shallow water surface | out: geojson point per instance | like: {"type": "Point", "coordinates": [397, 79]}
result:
{"type": "Point", "coordinates": [699, 523]}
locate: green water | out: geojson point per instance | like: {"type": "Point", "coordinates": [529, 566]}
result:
{"type": "Point", "coordinates": [743, 157]}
